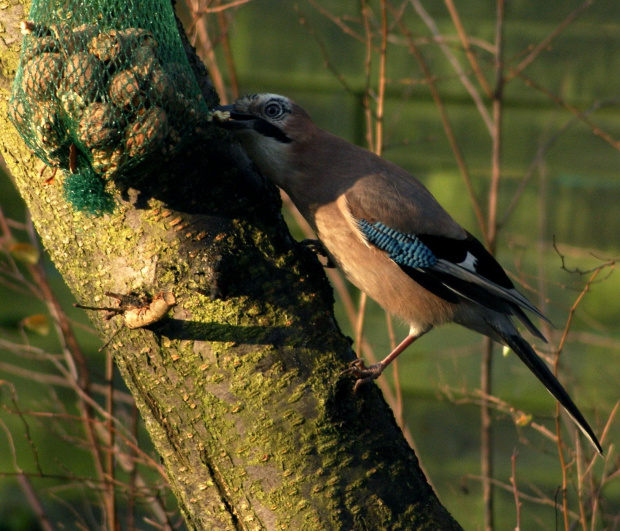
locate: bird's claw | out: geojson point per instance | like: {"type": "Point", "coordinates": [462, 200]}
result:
{"type": "Point", "coordinates": [317, 248]}
{"type": "Point", "coordinates": [314, 245]}
{"type": "Point", "coordinates": [363, 374]}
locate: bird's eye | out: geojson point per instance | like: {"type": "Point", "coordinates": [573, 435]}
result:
{"type": "Point", "coordinates": [273, 110]}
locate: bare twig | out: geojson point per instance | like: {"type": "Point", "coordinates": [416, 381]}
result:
{"type": "Point", "coordinates": [303, 20]}
{"type": "Point", "coordinates": [556, 361]}
{"type": "Point", "coordinates": [581, 115]}
{"type": "Point", "coordinates": [224, 24]}
{"type": "Point", "coordinates": [466, 42]}
{"type": "Point", "coordinates": [595, 269]}
{"type": "Point", "coordinates": [486, 450]}
{"type": "Point", "coordinates": [346, 29]}
{"type": "Point", "coordinates": [541, 499]}
{"type": "Point", "coordinates": [448, 130]}
{"type": "Point", "coordinates": [544, 44]}
{"type": "Point", "coordinates": [381, 81]}
{"type": "Point", "coordinates": [486, 433]}
{"type": "Point", "coordinates": [475, 96]}
{"type": "Point", "coordinates": [76, 360]}
{"type": "Point", "coordinates": [222, 7]}
{"type": "Point", "coordinates": [542, 151]}
{"type": "Point", "coordinates": [110, 454]}
{"type": "Point", "coordinates": [35, 502]}
{"type": "Point", "coordinates": [515, 490]}
{"type": "Point", "coordinates": [367, 94]}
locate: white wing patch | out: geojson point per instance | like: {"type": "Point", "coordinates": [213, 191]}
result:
{"type": "Point", "coordinates": [469, 263]}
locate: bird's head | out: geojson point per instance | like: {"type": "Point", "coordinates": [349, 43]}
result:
{"type": "Point", "coordinates": [270, 127]}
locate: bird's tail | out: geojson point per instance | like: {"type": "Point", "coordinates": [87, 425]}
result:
{"type": "Point", "coordinates": [523, 349]}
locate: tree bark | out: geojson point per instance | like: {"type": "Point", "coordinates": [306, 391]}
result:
{"type": "Point", "coordinates": [239, 387]}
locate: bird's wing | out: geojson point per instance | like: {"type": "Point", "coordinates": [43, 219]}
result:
{"type": "Point", "coordinates": [398, 200]}
{"type": "Point", "coordinates": [408, 224]}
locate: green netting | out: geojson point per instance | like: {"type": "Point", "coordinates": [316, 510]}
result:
{"type": "Point", "coordinates": [103, 86]}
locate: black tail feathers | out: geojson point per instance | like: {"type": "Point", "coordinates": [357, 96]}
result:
{"type": "Point", "coordinates": [542, 372]}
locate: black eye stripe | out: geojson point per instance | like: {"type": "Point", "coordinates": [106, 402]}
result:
{"type": "Point", "coordinates": [266, 129]}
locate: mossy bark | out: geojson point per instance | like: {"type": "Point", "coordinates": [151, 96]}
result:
{"type": "Point", "coordinates": [239, 386]}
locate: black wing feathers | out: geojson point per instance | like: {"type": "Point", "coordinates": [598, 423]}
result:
{"type": "Point", "coordinates": [456, 251]}
{"type": "Point", "coordinates": [432, 283]}
{"type": "Point", "coordinates": [467, 270]}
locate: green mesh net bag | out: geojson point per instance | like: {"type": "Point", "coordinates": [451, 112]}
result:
{"type": "Point", "coordinates": [102, 88]}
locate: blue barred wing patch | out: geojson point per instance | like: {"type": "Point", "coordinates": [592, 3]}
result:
{"type": "Point", "coordinates": [405, 249]}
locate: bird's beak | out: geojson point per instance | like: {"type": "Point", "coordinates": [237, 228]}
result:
{"type": "Point", "coordinates": [227, 117]}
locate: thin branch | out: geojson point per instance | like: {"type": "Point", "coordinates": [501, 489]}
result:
{"type": "Point", "coordinates": [497, 128]}
{"type": "Point", "coordinates": [448, 39]}
{"type": "Point", "coordinates": [9, 437]}
{"type": "Point", "coordinates": [382, 82]}
{"type": "Point", "coordinates": [206, 51]}
{"type": "Point", "coordinates": [515, 489]}
{"type": "Point", "coordinates": [466, 42]}
{"type": "Point", "coordinates": [223, 21]}
{"type": "Point", "coordinates": [486, 450]}
{"type": "Point", "coordinates": [542, 151]}
{"type": "Point", "coordinates": [303, 20]}
{"type": "Point", "coordinates": [540, 500]}
{"type": "Point", "coordinates": [460, 160]}
{"type": "Point", "coordinates": [110, 439]}
{"type": "Point", "coordinates": [76, 361]}
{"type": "Point", "coordinates": [544, 44]}
{"type": "Point", "coordinates": [430, 23]}
{"type": "Point", "coordinates": [346, 29]}
{"type": "Point", "coordinates": [61, 381]}
{"type": "Point", "coordinates": [556, 361]}
{"type": "Point", "coordinates": [596, 130]}
{"type": "Point", "coordinates": [34, 502]}
{"type": "Point", "coordinates": [222, 7]}
{"type": "Point", "coordinates": [359, 322]}
{"type": "Point", "coordinates": [366, 96]}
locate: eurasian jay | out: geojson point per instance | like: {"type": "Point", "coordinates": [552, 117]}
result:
{"type": "Point", "coordinates": [388, 234]}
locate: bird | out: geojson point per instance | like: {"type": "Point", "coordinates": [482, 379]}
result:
{"type": "Point", "coordinates": [389, 236]}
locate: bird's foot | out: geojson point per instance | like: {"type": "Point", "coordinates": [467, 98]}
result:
{"type": "Point", "coordinates": [363, 374]}
{"type": "Point", "coordinates": [317, 248]}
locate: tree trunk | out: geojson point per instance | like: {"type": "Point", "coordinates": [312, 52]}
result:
{"type": "Point", "coordinates": [239, 386]}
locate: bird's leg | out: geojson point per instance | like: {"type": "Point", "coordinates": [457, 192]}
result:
{"type": "Point", "coordinates": [365, 374]}
{"type": "Point", "coordinates": [317, 247]}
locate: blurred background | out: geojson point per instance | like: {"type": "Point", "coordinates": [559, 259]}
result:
{"type": "Point", "coordinates": [411, 80]}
